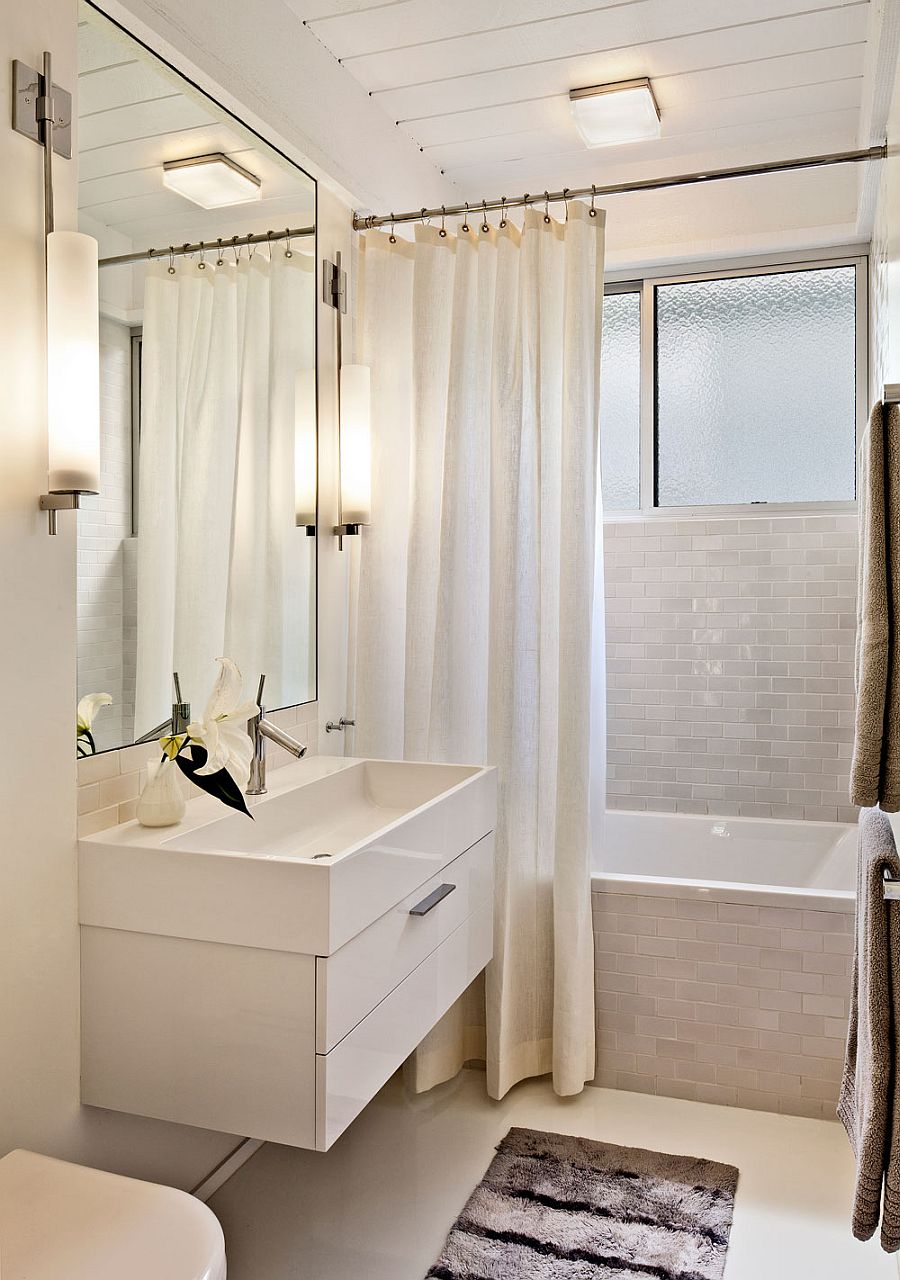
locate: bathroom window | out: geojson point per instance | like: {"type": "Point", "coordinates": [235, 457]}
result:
{"type": "Point", "coordinates": [734, 389]}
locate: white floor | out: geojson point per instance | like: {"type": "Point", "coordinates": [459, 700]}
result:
{"type": "Point", "coordinates": [378, 1205]}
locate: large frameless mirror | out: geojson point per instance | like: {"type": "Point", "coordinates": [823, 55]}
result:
{"type": "Point", "coordinates": [201, 542]}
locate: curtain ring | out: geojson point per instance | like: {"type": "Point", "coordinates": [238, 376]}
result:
{"type": "Point", "coordinates": [235, 249]}
{"type": "Point", "coordinates": [220, 261]}
{"type": "Point", "coordinates": [485, 225]}
{"type": "Point", "coordinates": [289, 252]}
{"type": "Point", "coordinates": [547, 218]}
{"type": "Point", "coordinates": [392, 239]}
{"type": "Point", "coordinates": [171, 267]}
{"type": "Point", "coordinates": [592, 212]}
{"type": "Point", "coordinates": [566, 201]}
{"type": "Point", "coordinates": [502, 212]}
{"type": "Point", "coordinates": [422, 215]}
{"type": "Point", "coordinates": [269, 243]}
{"type": "Point", "coordinates": [201, 265]}
{"type": "Point", "coordinates": [443, 230]}
{"type": "Point", "coordinates": [465, 225]}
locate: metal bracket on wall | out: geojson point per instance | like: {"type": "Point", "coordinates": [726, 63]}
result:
{"type": "Point", "coordinates": [27, 105]}
{"type": "Point", "coordinates": [334, 285]}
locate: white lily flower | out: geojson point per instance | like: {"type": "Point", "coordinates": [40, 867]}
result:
{"type": "Point", "coordinates": [223, 729]}
{"type": "Point", "coordinates": [88, 707]}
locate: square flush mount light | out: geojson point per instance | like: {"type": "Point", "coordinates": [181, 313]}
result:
{"type": "Point", "coordinates": [211, 181]}
{"type": "Point", "coordinates": [609, 113]}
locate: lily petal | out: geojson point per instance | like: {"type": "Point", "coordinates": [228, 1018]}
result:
{"type": "Point", "coordinates": [88, 707]}
{"type": "Point", "coordinates": [227, 690]}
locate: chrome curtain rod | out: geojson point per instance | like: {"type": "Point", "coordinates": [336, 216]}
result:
{"type": "Point", "coordinates": [365, 223]}
{"type": "Point", "coordinates": [206, 246]}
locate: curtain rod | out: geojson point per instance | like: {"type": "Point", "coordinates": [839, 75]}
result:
{"type": "Point", "coordinates": [365, 223]}
{"type": "Point", "coordinates": [180, 251]}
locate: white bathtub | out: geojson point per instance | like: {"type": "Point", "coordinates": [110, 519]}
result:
{"type": "Point", "coordinates": [764, 861]}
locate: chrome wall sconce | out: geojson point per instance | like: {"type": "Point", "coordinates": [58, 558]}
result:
{"type": "Point", "coordinates": [43, 112]}
{"type": "Point", "coordinates": [354, 420]}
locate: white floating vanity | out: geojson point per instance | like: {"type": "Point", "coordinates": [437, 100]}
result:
{"type": "Point", "coordinates": [266, 978]}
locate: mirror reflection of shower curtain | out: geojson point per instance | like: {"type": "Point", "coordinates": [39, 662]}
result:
{"type": "Point", "coordinates": [222, 567]}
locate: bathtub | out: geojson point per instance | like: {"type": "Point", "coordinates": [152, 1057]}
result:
{"type": "Point", "coordinates": [759, 860]}
{"type": "Point", "coordinates": [723, 949]}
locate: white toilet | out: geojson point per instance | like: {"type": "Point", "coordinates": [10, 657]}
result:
{"type": "Point", "coordinates": [61, 1221]}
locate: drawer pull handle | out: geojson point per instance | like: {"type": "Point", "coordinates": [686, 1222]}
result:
{"type": "Point", "coordinates": [428, 904]}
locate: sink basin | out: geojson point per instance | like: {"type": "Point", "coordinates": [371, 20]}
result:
{"type": "Point", "coordinates": [330, 816]}
{"type": "Point", "coordinates": [334, 845]}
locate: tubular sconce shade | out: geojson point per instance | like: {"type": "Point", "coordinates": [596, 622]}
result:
{"type": "Point", "coordinates": [73, 363]}
{"type": "Point", "coordinates": [305, 448]}
{"type": "Point", "coordinates": [356, 447]}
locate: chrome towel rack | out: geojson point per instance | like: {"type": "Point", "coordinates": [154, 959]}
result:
{"type": "Point", "coordinates": [891, 888]}
{"type": "Point", "coordinates": [891, 393]}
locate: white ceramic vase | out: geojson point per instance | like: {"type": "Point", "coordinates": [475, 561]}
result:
{"type": "Point", "coordinates": [162, 801]}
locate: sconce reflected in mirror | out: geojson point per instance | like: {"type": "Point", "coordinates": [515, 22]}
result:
{"type": "Point", "coordinates": [305, 451]}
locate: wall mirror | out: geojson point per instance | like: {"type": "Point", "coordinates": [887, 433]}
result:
{"type": "Point", "coordinates": [202, 541]}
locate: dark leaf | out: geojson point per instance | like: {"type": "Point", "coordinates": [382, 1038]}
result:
{"type": "Point", "coordinates": [221, 784]}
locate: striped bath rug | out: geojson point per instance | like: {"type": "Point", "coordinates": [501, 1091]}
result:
{"type": "Point", "coordinates": [555, 1207]}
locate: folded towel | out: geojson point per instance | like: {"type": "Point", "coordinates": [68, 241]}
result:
{"type": "Point", "coordinates": [875, 771]}
{"type": "Point", "coordinates": [869, 1103]}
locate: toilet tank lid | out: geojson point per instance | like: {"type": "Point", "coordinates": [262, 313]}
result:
{"type": "Point", "coordinates": [61, 1221]}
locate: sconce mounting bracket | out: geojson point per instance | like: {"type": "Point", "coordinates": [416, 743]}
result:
{"type": "Point", "coordinates": [28, 103]}
{"type": "Point", "coordinates": [334, 285]}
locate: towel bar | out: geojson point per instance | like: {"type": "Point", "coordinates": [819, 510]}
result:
{"type": "Point", "coordinates": [891, 888]}
{"type": "Point", "coordinates": [891, 393]}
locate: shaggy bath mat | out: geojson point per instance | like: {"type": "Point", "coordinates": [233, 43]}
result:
{"type": "Point", "coordinates": [554, 1207]}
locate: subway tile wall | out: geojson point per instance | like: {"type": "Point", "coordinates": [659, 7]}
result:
{"type": "Point", "coordinates": [109, 783]}
{"type": "Point", "coordinates": [730, 665]}
{"type": "Point", "coordinates": [722, 1002]}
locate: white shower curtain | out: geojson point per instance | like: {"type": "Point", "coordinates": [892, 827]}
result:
{"type": "Point", "coordinates": [222, 567]}
{"type": "Point", "coordinates": [475, 594]}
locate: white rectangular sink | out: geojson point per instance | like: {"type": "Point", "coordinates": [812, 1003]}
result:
{"type": "Point", "coordinates": [329, 817]}
{"type": "Point", "coordinates": [335, 844]}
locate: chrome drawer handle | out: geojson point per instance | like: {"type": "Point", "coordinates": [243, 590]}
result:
{"type": "Point", "coordinates": [428, 904]}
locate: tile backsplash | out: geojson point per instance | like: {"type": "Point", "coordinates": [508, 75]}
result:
{"type": "Point", "coordinates": [109, 784]}
{"type": "Point", "coordinates": [730, 665]}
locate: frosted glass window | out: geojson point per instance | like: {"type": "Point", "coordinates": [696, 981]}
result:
{"type": "Point", "coordinates": [620, 402]}
{"type": "Point", "coordinates": [756, 388]}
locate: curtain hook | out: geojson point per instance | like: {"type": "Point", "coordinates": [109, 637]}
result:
{"type": "Point", "coordinates": [235, 249]}
{"type": "Point", "coordinates": [485, 225]}
{"type": "Point", "coordinates": [592, 211]}
{"type": "Point", "coordinates": [465, 225]}
{"type": "Point", "coordinates": [547, 206]}
{"type": "Point", "coordinates": [392, 239]}
{"type": "Point", "coordinates": [424, 219]}
{"type": "Point", "coordinates": [289, 252]}
{"type": "Point", "coordinates": [220, 261]}
{"type": "Point", "coordinates": [443, 230]}
{"type": "Point", "coordinates": [566, 201]}
{"type": "Point", "coordinates": [269, 243]}
{"type": "Point", "coordinates": [201, 265]}
{"type": "Point", "coordinates": [502, 212]}
{"type": "Point", "coordinates": [171, 259]}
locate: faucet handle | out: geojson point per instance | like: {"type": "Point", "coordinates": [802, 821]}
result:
{"type": "Point", "coordinates": [259, 691]}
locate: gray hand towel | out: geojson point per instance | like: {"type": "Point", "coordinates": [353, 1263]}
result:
{"type": "Point", "coordinates": [875, 771]}
{"type": "Point", "coordinates": [869, 1104]}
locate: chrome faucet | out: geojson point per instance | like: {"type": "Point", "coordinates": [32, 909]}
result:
{"type": "Point", "coordinates": [259, 729]}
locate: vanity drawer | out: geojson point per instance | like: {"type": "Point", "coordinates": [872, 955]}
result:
{"type": "Point", "coordinates": [358, 976]}
{"type": "Point", "coordinates": [350, 1075]}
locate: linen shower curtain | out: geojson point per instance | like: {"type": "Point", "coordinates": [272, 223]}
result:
{"type": "Point", "coordinates": [219, 556]}
{"type": "Point", "coordinates": [475, 605]}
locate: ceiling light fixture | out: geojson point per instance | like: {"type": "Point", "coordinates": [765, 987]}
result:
{"type": "Point", "coordinates": [211, 181]}
{"type": "Point", "coordinates": [607, 114]}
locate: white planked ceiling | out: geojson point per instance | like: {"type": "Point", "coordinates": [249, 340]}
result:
{"type": "Point", "coordinates": [482, 89]}
{"type": "Point", "coordinates": [133, 114]}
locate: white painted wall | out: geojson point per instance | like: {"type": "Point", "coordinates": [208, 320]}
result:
{"type": "Point", "coordinates": [39, 1059]}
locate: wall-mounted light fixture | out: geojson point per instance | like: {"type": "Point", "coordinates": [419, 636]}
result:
{"type": "Point", "coordinates": [212, 181]}
{"type": "Point", "coordinates": [43, 112]}
{"type": "Point", "coordinates": [606, 114]}
{"type": "Point", "coordinates": [354, 420]}
{"type": "Point", "coordinates": [305, 451]}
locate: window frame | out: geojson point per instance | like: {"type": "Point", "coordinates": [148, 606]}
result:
{"type": "Point", "coordinates": [645, 282]}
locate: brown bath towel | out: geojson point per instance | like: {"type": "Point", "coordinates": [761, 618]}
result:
{"type": "Point", "coordinates": [875, 772]}
{"type": "Point", "coordinates": [869, 1104]}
